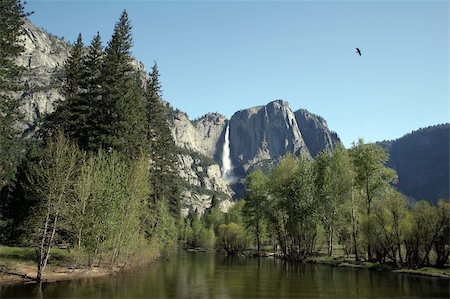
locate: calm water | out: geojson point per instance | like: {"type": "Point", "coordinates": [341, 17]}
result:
{"type": "Point", "coordinates": [199, 275]}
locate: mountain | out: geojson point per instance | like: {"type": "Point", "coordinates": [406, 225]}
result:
{"type": "Point", "coordinates": [257, 135]}
{"type": "Point", "coordinates": [421, 159]}
{"type": "Point", "coordinates": [262, 133]}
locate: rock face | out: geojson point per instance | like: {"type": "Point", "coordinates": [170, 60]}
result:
{"type": "Point", "coordinates": [421, 160]}
{"type": "Point", "coordinates": [264, 132]}
{"type": "Point", "coordinates": [202, 180]}
{"type": "Point", "coordinates": [204, 135]}
{"type": "Point", "coordinates": [315, 132]}
{"type": "Point", "coordinates": [43, 58]}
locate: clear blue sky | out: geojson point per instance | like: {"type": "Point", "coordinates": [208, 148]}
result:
{"type": "Point", "coordinates": [218, 56]}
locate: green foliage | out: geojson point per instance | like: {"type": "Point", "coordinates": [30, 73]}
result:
{"type": "Point", "coordinates": [119, 197]}
{"type": "Point", "coordinates": [232, 238]}
{"type": "Point", "coordinates": [122, 124]}
{"type": "Point", "coordinates": [373, 178]}
{"type": "Point", "coordinates": [196, 233]}
{"type": "Point", "coordinates": [11, 19]}
{"type": "Point", "coordinates": [104, 104]}
{"type": "Point", "coordinates": [292, 187]}
{"type": "Point", "coordinates": [389, 227]}
{"type": "Point", "coordinates": [164, 178]}
{"type": "Point", "coordinates": [166, 233]}
{"type": "Point", "coordinates": [442, 242]}
{"type": "Point", "coordinates": [235, 213]}
{"type": "Point", "coordinates": [334, 175]}
{"type": "Point", "coordinates": [213, 217]}
{"type": "Point", "coordinates": [51, 180]}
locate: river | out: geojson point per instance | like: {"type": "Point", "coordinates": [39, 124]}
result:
{"type": "Point", "coordinates": [200, 275]}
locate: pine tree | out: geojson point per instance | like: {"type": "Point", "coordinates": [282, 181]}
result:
{"type": "Point", "coordinates": [122, 116]}
{"type": "Point", "coordinates": [11, 20]}
{"type": "Point", "coordinates": [93, 92]}
{"type": "Point", "coordinates": [69, 113]}
{"type": "Point", "coordinates": [162, 146]}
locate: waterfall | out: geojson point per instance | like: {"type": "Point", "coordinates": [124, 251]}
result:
{"type": "Point", "coordinates": [227, 167]}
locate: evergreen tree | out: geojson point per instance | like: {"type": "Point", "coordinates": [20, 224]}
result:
{"type": "Point", "coordinates": [68, 115]}
{"type": "Point", "coordinates": [93, 91]}
{"type": "Point", "coordinates": [11, 20]}
{"type": "Point", "coordinates": [122, 124]}
{"type": "Point", "coordinates": [162, 147]}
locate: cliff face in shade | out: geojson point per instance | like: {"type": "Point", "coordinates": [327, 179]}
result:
{"type": "Point", "coordinates": [264, 132]}
{"type": "Point", "coordinates": [421, 160]}
{"type": "Point", "coordinates": [315, 132]}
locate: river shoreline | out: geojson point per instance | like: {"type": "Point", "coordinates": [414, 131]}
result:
{"type": "Point", "coordinates": [22, 274]}
{"type": "Point", "coordinates": [380, 267]}
{"type": "Point", "coordinates": [349, 263]}
{"type": "Point", "coordinates": [25, 272]}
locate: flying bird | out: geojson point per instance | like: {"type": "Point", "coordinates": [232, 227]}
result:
{"type": "Point", "coordinates": [358, 51]}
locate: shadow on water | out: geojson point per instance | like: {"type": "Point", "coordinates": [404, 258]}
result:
{"type": "Point", "coordinates": [200, 275]}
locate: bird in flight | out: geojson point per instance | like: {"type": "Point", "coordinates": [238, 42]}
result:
{"type": "Point", "coordinates": [358, 51]}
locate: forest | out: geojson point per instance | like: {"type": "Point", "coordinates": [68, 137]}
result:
{"type": "Point", "coordinates": [343, 197]}
{"type": "Point", "coordinates": [99, 176]}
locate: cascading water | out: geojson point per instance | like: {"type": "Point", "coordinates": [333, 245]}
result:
{"type": "Point", "coordinates": [227, 167]}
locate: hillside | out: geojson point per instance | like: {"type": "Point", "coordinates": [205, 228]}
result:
{"type": "Point", "coordinates": [421, 159]}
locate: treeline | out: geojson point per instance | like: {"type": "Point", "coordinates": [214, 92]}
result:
{"type": "Point", "coordinates": [215, 229]}
{"type": "Point", "coordinates": [344, 197]}
{"type": "Point", "coordinates": [99, 177]}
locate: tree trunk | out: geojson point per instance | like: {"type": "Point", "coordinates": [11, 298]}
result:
{"type": "Point", "coordinates": [369, 237]}
{"type": "Point", "coordinates": [330, 240]}
{"type": "Point", "coordinates": [354, 230]}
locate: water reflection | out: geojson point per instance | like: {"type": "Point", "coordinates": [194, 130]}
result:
{"type": "Point", "coordinates": [191, 275]}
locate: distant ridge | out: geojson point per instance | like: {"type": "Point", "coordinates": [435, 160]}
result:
{"type": "Point", "coordinates": [421, 159]}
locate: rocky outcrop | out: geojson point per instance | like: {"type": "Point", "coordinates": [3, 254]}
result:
{"type": "Point", "coordinates": [199, 173]}
{"type": "Point", "coordinates": [202, 180]}
{"type": "Point", "coordinates": [421, 160]}
{"type": "Point", "coordinates": [204, 135]}
{"type": "Point", "coordinates": [43, 58]}
{"type": "Point", "coordinates": [315, 132]}
{"type": "Point", "coordinates": [264, 132]}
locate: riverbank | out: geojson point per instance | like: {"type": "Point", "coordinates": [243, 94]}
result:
{"type": "Point", "coordinates": [347, 262]}
{"type": "Point", "coordinates": [343, 261]}
{"type": "Point", "coordinates": [17, 266]}
{"type": "Point", "coordinates": [22, 273]}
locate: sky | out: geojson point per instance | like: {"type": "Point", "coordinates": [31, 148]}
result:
{"type": "Point", "coordinates": [224, 56]}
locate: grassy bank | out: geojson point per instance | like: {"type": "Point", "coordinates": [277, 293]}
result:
{"type": "Point", "coordinates": [18, 265]}
{"type": "Point", "coordinates": [342, 261]}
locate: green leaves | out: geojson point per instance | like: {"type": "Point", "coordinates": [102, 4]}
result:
{"type": "Point", "coordinates": [11, 20]}
{"type": "Point", "coordinates": [162, 150]}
